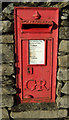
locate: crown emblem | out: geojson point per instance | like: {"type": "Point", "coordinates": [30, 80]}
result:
{"type": "Point", "coordinates": [36, 15]}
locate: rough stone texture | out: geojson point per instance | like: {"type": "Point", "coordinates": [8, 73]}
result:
{"type": "Point", "coordinates": [63, 102]}
{"type": "Point", "coordinates": [58, 90]}
{"type": "Point", "coordinates": [0, 16]}
{"type": "Point", "coordinates": [67, 118]}
{"type": "Point", "coordinates": [9, 11]}
{"type": "Point", "coordinates": [63, 60]}
{"type": "Point", "coordinates": [7, 69]}
{"type": "Point", "coordinates": [64, 46]}
{"type": "Point", "coordinates": [5, 113]}
{"type": "Point", "coordinates": [65, 10]}
{"type": "Point", "coordinates": [7, 27]}
{"type": "Point", "coordinates": [64, 33]}
{"type": "Point", "coordinates": [65, 88]}
{"type": "Point", "coordinates": [7, 53]}
{"type": "Point", "coordinates": [40, 114]}
{"type": "Point", "coordinates": [63, 74]}
{"type": "Point", "coordinates": [34, 106]}
{"type": "Point", "coordinates": [6, 38]}
{"type": "Point", "coordinates": [8, 90]}
{"type": "Point", "coordinates": [61, 53]}
{"type": "Point", "coordinates": [7, 101]}
{"type": "Point", "coordinates": [64, 16]}
{"type": "Point", "coordinates": [65, 23]}
{"type": "Point", "coordinates": [61, 5]}
{"type": "Point", "coordinates": [0, 113]}
{"type": "Point", "coordinates": [7, 81]}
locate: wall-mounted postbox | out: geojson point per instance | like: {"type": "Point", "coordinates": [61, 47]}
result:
{"type": "Point", "coordinates": [36, 41]}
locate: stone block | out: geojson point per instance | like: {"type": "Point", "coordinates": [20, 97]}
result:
{"type": "Point", "coordinates": [7, 69]}
{"type": "Point", "coordinates": [64, 33]}
{"type": "Point", "coordinates": [63, 102]}
{"type": "Point", "coordinates": [0, 113]}
{"type": "Point", "coordinates": [34, 106]}
{"type": "Point", "coordinates": [65, 88]}
{"type": "Point", "coordinates": [7, 53]}
{"type": "Point", "coordinates": [67, 118]}
{"type": "Point", "coordinates": [65, 23]}
{"type": "Point", "coordinates": [5, 114]}
{"type": "Point", "coordinates": [8, 11]}
{"type": "Point", "coordinates": [65, 10]}
{"type": "Point", "coordinates": [64, 46]}
{"type": "Point", "coordinates": [40, 114]}
{"type": "Point", "coordinates": [63, 74]}
{"type": "Point", "coordinates": [63, 61]}
{"type": "Point", "coordinates": [7, 101]}
{"type": "Point", "coordinates": [64, 16]}
{"type": "Point", "coordinates": [0, 16]}
{"type": "Point", "coordinates": [6, 26]}
{"type": "Point", "coordinates": [8, 90]}
{"type": "Point", "coordinates": [7, 81]}
{"type": "Point", "coordinates": [60, 5]}
{"type": "Point", "coordinates": [6, 38]}
{"type": "Point", "coordinates": [58, 90]}
{"type": "Point", "coordinates": [60, 53]}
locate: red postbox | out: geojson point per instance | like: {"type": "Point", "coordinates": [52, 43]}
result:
{"type": "Point", "coordinates": [36, 41]}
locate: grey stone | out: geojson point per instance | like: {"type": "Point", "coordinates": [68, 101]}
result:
{"type": "Point", "coordinates": [60, 5]}
{"type": "Point", "coordinates": [7, 53]}
{"type": "Point", "coordinates": [34, 106]}
{"type": "Point", "coordinates": [64, 46]}
{"type": "Point", "coordinates": [40, 114]}
{"type": "Point", "coordinates": [63, 61]}
{"type": "Point", "coordinates": [8, 90]}
{"type": "Point", "coordinates": [7, 81]}
{"type": "Point", "coordinates": [8, 11]}
{"type": "Point", "coordinates": [64, 33]}
{"type": "Point", "coordinates": [6, 26]}
{"type": "Point", "coordinates": [63, 102]}
{"type": "Point", "coordinates": [66, 118]}
{"type": "Point", "coordinates": [7, 101]}
{"type": "Point", "coordinates": [0, 113]}
{"type": "Point", "coordinates": [65, 88]}
{"type": "Point", "coordinates": [58, 90]}
{"type": "Point", "coordinates": [65, 23]}
{"type": "Point", "coordinates": [64, 17]}
{"type": "Point", "coordinates": [5, 113]}
{"type": "Point", "coordinates": [65, 10]}
{"type": "Point", "coordinates": [61, 53]}
{"type": "Point", "coordinates": [0, 100]}
{"type": "Point", "coordinates": [6, 38]}
{"type": "Point", "coordinates": [0, 16]}
{"type": "Point", "coordinates": [7, 69]}
{"type": "Point", "coordinates": [63, 74]}
{"type": "Point", "coordinates": [65, 14]}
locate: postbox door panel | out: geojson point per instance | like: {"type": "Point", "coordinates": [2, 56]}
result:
{"type": "Point", "coordinates": [37, 68]}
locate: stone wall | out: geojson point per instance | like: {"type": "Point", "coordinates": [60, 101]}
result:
{"type": "Point", "coordinates": [8, 68]}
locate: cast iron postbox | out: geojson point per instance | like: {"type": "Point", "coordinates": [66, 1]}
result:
{"type": "Point", "coordinates": [36, 41]}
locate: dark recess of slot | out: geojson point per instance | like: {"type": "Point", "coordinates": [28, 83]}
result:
{"type": "Point", "coordinates": [32, 70]}
{"type": "Point", "coordinates": [29, 26]}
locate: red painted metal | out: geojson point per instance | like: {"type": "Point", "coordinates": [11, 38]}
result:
{"type": "Point", "coordinates": [36, 82]}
